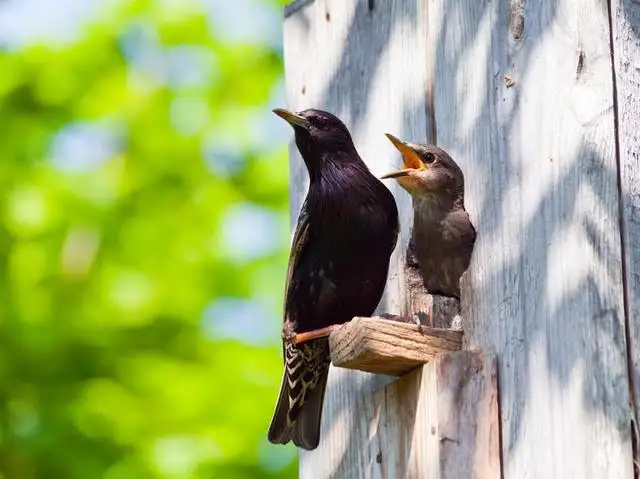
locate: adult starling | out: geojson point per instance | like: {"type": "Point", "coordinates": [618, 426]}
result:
{"type": "Point", "coordinates": [346, 232]}
{"type": "Point", "coordinates": [443, 236]}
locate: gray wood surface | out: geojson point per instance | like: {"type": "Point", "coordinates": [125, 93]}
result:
{"type": "Point", "coordinates": [626, 46]}
{"type": "Point", "coordinates": [521, 95]}
{"type": "Point", "coordinates": [524, 101]}
{"type": "Point", "coordinates": [439, 421]}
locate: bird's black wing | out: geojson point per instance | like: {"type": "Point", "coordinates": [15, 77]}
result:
{"type": "Point", "coordinates": [298, 247]}
{"type": "Point", "coordinates": [306, 368]}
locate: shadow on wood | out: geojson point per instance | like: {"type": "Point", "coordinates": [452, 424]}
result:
{"type": "Point", "coordinates": [440, 421]}
{"type": "Point", "coordinates": [545, 288]}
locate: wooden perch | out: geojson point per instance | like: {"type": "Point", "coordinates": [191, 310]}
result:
{"type": "Point", "coordinates": [384, 346]}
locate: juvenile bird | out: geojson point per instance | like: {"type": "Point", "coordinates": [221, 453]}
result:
{"type": "Point", "coordinates": [443, 236]}
{"type": "Point", "coordinates": [346, 232]}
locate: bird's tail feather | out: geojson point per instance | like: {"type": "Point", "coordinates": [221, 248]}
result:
{"type": "Point", "coordinates": [279, 433]}
{"type": "Point", "coordinates": [298, 411]}
{"type": "Point", "coordinates": [306, 429]}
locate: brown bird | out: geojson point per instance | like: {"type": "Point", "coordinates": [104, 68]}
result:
{"type": "Point", "coordinates": [443, 237]}
{"type": "Point", "coordinates": [338, 266]}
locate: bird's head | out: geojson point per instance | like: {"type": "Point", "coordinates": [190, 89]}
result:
{"type": "Point", "coordinates": [317, 130]}
{"type": "Point", "coordinates": [427, 171]}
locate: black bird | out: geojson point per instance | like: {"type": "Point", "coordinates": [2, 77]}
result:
{"type": "Point", "coordinates": [443, 236]}
{"type": "Point", "coordinates": [346, 232]}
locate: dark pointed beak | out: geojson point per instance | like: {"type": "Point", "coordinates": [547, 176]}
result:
{"type": "Point", "coordinates": [410, 158]}
{"type": "Point", "coordinates": [292, 118]}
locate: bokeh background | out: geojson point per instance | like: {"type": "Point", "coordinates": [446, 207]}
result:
{"type": "Point", "coordinates": [143, 238]}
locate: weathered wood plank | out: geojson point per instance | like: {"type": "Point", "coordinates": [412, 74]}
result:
{"type": "Point", "coordinates": [384, 346]}
{"type": "Point", "coordinates": [365, 62]}
{"type": "Point", "coordinates": [625, 16]}
{"type": "Point", "coordinates": [440, 421]}
{"type": "Point", "coordinates": [544, 290]}
{"type": "Point", "coordinates": [469, 419]}
{"type": "Point", "coordinates": [429, 310]}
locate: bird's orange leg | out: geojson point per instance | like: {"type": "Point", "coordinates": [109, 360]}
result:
{"type": "Point", "coordinates": [315, 334]}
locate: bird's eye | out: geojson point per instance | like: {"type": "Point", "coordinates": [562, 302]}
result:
{"type": "Point", "coordinates": [429, 158]}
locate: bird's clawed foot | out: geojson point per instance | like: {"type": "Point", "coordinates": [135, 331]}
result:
{"type": "Point", "coordinates": [288, 333]}
{"type": "Point", "coordinates": [302, 338]}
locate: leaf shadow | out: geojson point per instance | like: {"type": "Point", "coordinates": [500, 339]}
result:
{"type": "Point", "coordinates": [515, 309]}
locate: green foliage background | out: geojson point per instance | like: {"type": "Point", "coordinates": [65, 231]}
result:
{"type": "Point", "coordinates": [115, 360]}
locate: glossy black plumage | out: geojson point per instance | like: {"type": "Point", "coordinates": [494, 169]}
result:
{"type": "Point", "coordinates": [338, 265]}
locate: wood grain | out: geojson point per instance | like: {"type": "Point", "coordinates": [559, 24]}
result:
{"type": "Point", "coordinates": [544, 290]}
{"type": "Point", "coordinates": [625, 17]}
{"type": "Point", "coordinates": [427, 309]}
{"type": "Point", "coordinates": [384, 346]}
{"type": "Point", "coordinates": [440, 422]}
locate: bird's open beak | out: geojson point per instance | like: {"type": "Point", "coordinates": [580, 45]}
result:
{"type": "Point", "coordinates": [410, 158]}
{"type": "Point", "coordinates": [292, 118]}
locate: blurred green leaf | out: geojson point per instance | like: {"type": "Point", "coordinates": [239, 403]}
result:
{"type": "Point", "coordinates": [125, 155]}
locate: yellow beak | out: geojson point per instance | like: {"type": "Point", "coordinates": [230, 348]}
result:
{"type": "Point", "coordinates": [292, 118]}
{"type": "Point", "coordinates": [410, 158]}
